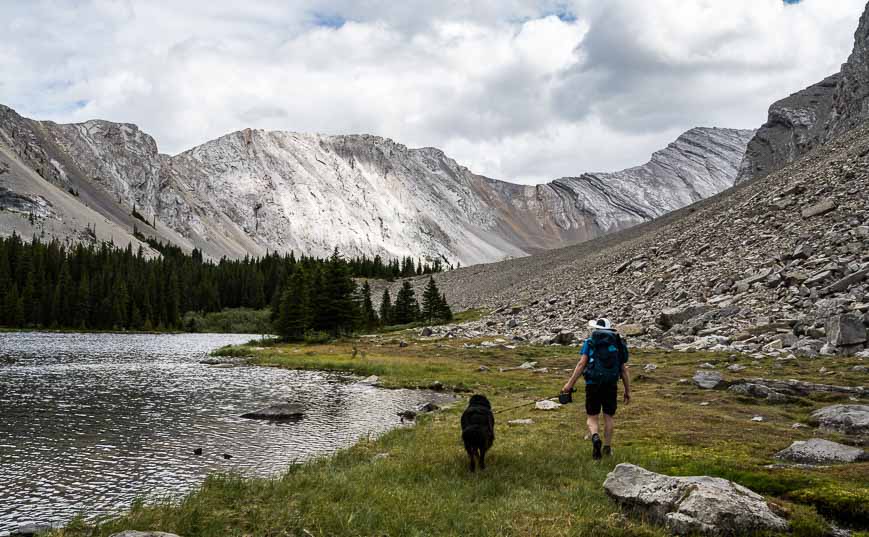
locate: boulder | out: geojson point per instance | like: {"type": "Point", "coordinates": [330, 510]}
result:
{"type": "Point", "coordinates": [278, 412]}
{"type": "Point", "coordinates": [706, 505]}
{"type": "Point", "coordinates": [818, 450]}
{"type": "Point", "coordinates": [373, 380]}
{"type": "Point", "coordinates": [707, 379]}
{"type": "Point", "coordinates": [563, 338]}
{"type": "Point", "coordinates": [844, 330]}
{"type": "Point", "coordinates": [847, 282]}
{"type": "Point", "coordinates": [819, 208]}
{"type": "Point", "coordinates": [426, 332]}
{"type": "Point", "coordinates": [427, 407]}
{"type": "Point", "coordinates": [673, 316]}
{"type": "Point", "coordinates": [632, 329]}
{"type": "Point", "coordinates": [845, 419]}
{"type": "Point", "coordinates": [759, 391]}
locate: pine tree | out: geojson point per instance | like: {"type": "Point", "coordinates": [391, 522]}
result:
{"type": "Point", "coordinates": [385, 308]}
{"type": "Point", "coordinates": [336, 301]}
{"type": "Point", "coordinates": [431, 302]}
{"type": "Point", "coordinates": [294, 315]}
{"type": "Point", "coordinates": [28, 298]}
{"type": "Point", "coordinates": [368, 317]}
{"type": "Point", "coordinates": [13, 311]}
{"type": "Point", "coordinates": [446, 312]}
{"type": "Point", "coordinates": [83, 300]}
{"type": "Point", "coordinates": [406, 309]}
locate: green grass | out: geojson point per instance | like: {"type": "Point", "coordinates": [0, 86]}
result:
{"type": "Point", "coordinates": [229, 321]}
{"type": "Point", "coordinates": [540, 479]}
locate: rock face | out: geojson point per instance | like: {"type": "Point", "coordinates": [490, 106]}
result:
{"type": "Point", "coordinates": [706, 505]}
{"type": "Point", "coordinates": [845, 330]}
{"type": "Point", "coordinates": [813, 116]}
{"type": "Point", "coordinates": [254, 191]}
{"type": "Point", "coordinates": [846, 419]}
{"type": "Point", "coordinates": [819, 451]}
{"type": "Point", "coordinates": [278, 412]}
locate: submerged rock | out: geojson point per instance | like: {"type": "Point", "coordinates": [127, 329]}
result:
{"type": "Point", "coordinates": [32, 528]}
{"type": "Point", "coordinates": [818, 450]}
{"type": "Point", "coordinates": [707, 505]}
{"type": "Point", "coordinates": [278, 412]}
{"type": "Point", "coordinates": [373, 380]}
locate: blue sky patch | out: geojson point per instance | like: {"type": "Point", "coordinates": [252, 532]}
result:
{"type": "Point", "coordinates": [328, 20]}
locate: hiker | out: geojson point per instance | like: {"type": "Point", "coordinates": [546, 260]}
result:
{"type": "Point", "coordinates": [604, 358]}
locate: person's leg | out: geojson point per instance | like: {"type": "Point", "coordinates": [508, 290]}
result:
{"type": "Point", "coordinates": [593, 423]}
{"type": "Point", "coordinates": [592, 411]}
{"type": "Point", "coordinates": [608, 425]}
{"type": "Point", "coordinates": [609, 403]}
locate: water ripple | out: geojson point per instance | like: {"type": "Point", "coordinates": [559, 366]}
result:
{"type": "Point", "coordinates": [88, 422]}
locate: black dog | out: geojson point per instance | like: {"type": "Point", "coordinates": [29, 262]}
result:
{"type": "Point", "coordinates": [478, 429]}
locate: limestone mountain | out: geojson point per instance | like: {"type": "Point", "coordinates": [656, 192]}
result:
{"type": "Point", "coordinates": [254, 191]}
{"type": "Point", "coordinates": [813, 116]}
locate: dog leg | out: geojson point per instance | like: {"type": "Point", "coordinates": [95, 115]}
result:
{"type": "Point", "coordinates": [471, 457]}
{"type": "Point", "coordinates": [482, 459]}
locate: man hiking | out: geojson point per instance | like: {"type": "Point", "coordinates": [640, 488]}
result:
{"type": "Point", "coordinates": [603, 361]}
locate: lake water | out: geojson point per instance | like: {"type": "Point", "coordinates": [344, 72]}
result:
{"type": "Point", "coordinates": [88, 422]}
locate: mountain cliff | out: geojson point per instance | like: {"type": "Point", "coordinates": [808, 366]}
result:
{"type": "Point", "coordinates": [252, 191]}
{"type": "Point", "coordinates": [814, 116]}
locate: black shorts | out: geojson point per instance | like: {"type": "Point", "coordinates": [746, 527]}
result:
{"type": "Point", "coordinates": [601, 395]}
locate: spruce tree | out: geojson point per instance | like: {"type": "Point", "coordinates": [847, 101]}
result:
{"type": "Point", "coordinates": [83, 300]}
{"type": "Point", "coordinates": [431, 302]}
{"type": "Point", "coordinates": [406, 309]}
{"type": "Point", "coordinates": [446, 312]}
{"type": "Point", "coordinates": [368, 317]}
{"type": "Point", "coordinates": [385, 308]}
{"type": "Point", "coordinates": [294, 314]}
{"type": "Point", "coordinates": [13, 313]}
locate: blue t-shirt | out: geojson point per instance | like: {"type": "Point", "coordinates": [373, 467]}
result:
{"type": "Point", "coordinates": [585, 348]}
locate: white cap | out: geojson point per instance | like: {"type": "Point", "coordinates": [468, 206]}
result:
{"type": "Point", "coordinates": [601, 324]}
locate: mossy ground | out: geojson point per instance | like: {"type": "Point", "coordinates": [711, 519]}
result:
{"type": "Point", "coordinates": [541, 479]}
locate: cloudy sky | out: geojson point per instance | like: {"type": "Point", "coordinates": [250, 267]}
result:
{"type": "Point", "coordinates": [518, 90]}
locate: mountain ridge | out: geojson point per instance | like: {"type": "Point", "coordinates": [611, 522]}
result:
{"type": "Point", "coordinates": [254, 190]}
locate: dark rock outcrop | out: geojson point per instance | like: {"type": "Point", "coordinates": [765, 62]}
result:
{"type": "Point", "coordinates": [814, 116]}
{"type": "Point", "coordinates": [278, 412]}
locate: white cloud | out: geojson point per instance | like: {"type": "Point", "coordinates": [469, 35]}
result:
{"type": "Point", "coordinates": [506, 87]}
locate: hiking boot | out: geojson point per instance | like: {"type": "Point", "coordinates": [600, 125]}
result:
{"type": "Point", "coordinates": [595, 447]}
{"type": "Point", "coordinates": [607, 451]}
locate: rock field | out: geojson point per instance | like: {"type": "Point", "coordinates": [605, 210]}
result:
{"type": "Point", "coordinates": [774, 266]}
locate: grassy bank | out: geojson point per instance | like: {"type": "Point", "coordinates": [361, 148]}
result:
{"type": "Point", "coordinates": [541, 480]}
{"type": "Point", "coordinates": [229, 321]}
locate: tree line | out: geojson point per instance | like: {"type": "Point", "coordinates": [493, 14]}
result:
{"type": "Point", "coordinates": [325, 299]}
{"type": "Point", "coordinates": [50, 285]}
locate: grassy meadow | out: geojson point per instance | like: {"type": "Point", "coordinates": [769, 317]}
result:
{"type": "Point", "coordinates": [540, 479]}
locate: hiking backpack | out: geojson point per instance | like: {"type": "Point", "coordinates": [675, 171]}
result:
{"type": "Point", "coordinates": [604, 357]}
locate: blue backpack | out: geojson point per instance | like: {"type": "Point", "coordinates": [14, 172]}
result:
{"type": "Point", "coordinates": [604, 357]}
